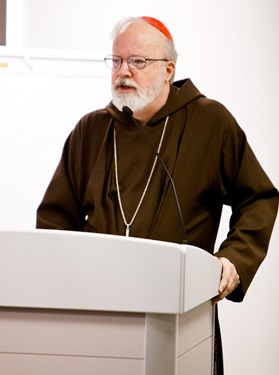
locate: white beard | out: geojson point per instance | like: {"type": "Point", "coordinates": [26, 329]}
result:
{"type": "Point", "coordinates": [139, 99]}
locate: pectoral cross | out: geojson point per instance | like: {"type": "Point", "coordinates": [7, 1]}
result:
{"type": "Point", "coordinates": [127, 230]}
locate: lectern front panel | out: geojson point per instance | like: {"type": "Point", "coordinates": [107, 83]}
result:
{"type": "Point", "coordinates": [68, 342]}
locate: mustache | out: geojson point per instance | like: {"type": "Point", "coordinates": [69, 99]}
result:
{"type": "Point", "coordinates": [125, 82]}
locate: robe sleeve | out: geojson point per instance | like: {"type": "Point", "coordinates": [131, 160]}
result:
{"type": "Point", "coordinates": [60, 207]}
{"type": "Point", "coordinates": [254, 203]}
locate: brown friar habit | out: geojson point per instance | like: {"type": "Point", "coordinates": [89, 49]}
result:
{"type": "Point", "coordinates": [209, 159]}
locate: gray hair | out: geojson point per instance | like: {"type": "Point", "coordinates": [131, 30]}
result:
{"type": "Point", "coordinates": [169, 48]}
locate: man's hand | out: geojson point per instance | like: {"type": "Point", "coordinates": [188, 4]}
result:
{"type": "Point", "coordinates": [229, 279]}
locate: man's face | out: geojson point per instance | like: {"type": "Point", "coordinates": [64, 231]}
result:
{"type": "Point", "coordinates": [138, 88]}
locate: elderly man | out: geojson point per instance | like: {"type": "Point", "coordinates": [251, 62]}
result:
{"type": "Point", "coordinates": [109, 179]}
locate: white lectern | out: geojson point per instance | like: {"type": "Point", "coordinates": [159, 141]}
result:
{"type": "Point", "coordinates": [75, 303]}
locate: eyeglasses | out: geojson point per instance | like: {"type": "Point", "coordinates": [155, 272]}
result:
{"type": "Point", "coordinates": [134, 62]}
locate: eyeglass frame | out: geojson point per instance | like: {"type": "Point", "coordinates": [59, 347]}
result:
{"type": "Point", "coordinates": [110, 58]}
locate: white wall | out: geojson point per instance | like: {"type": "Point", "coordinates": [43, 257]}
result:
{"type": "Point", "coordinates": [230, 50]}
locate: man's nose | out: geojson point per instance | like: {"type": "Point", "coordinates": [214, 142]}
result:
{"type": "Point", "coordinates": [124, 69]}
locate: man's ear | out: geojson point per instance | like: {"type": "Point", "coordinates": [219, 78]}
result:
{"type": "Point", "coordinates": [170, 68]}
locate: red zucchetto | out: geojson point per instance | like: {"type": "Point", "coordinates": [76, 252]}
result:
{"type": "Point", "coordinates": [159, 25]}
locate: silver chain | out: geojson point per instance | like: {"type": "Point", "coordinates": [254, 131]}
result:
{"type": "Point", "coordinates": [128, 225]}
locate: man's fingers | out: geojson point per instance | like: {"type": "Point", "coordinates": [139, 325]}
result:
{"type": "Point", "coordinates": [229, 280]}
